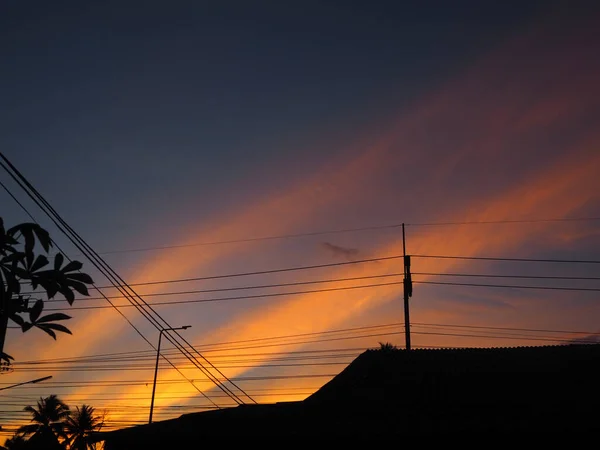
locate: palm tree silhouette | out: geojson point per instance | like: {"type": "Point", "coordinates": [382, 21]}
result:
{"type": "Point", "coordinates": [80, 425]}
{"type": "Point", "coordinates": [48, 417]}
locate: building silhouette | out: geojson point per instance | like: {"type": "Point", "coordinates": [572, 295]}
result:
{"type": "Point", "coordinates": [382, 395]}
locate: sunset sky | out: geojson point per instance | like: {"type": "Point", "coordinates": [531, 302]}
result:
{"type": "Point", "coordinates": [190, 139]}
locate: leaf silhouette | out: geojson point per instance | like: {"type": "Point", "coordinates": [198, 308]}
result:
{"type": "Point", "coordinates": [16, 256]}
{"type": "Point", "coordinates": [72, 266]}
{"type": "Point", "coordinates": [48, 331]}
{"type": "Point", "coordinates": [79, 287]}
{"type": "Point", "coordinates": [53, 317]}
{"type": "Point", "coordinates": [68, 294]}
{"type": "Point", "coordinates": [49, 327]}
{"type": "Point", "coordinates": [58, 260]}
{"type": "Point", "coordinates": [35, 312]}
{"type": "Point", "coordinates": [55, 326]}
{"type": "Point", "coordinates": [82, 277]}
{"type": "Point", "coordinates": [43, 237]}
{"type": "Point", "coordinates": [18, 319]}
{"type": "Point", "coordinates": [39, 262]}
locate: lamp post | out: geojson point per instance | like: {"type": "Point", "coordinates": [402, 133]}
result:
{"type": "Point", "coordinates": [37, 380]}
{"type": "Point", "coordinates": [185, 327]}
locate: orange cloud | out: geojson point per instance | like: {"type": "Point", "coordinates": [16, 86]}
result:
{"type": "Point", "coordinates": [548, 194]}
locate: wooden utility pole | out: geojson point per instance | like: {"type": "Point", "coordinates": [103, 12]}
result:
{"type": "Point", "coordinates": [407, 290]}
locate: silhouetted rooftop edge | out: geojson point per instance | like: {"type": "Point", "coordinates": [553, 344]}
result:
{"type": "Point", "coordinates": [394, 392]}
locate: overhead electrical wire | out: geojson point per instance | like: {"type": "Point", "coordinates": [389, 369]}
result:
{"type": "Point", "coordinates": [342, 288]}
{"type": "Point", "coordinates": [98, 289]}
{"type": "Point", "coordinates": [115, 383]}
{"type": "Point", "coordinates": [255, 378]}
{"type": "Point", "coordinates": [223, 345]}
{"type": "Point", "coordinates": [336, 280]}
{"type": "Point", "coordinates": [264, 286]}
{"type": "Point", "coordinates": [110, 274]}
{"type": "Point", "coordinates": [190, 407]}
{"type": "Point", "coordinates": [88, 364]}
{"type": "Point", "coordinates": [349, 230]}
{"type": "Point", "coordinates": [486, 258]}
{"type": "Point", "coordinates": [505, 221]}
{"type": "Point", "coordinates": [240, 297]}
{"type": "Point", "coordinates": [510, 286]}
{"type": "Point", "coordinates": [289, 269]}
{"type": "Point", "coordinates": [130, 355]}
{"type": "Point", "coordinates": [101, 265]}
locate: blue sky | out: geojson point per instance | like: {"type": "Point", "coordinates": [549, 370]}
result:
{"type": "Point", "coordinates": [156, 107]}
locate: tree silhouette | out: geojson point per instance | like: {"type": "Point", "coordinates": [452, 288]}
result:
{"type": "Point", "coordinates": [16, 442]}
{"type": "Point", "coordinates": [80, 425]}
{"type": "Point", "coordinates": [22, 262]}
{"type": "Point", "coordinates": [387, 347]}
{"type": "Point", "coordinates": [48, 418]}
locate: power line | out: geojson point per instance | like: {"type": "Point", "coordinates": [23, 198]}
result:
{"type": "Point", "coordinates": [451, 274]}
{"type": "Point", "coordinates": [116, 383]}
{"type": "Point", "coordinates": [240, 297]}
{"type": "Point", "coordinates": [334, 280]}
{"type": "Point", "coordinates": [506, 334]}
{"type": "Point", "coordinates": [508, 221]}
{"type": "Point", "coordinates": [313, 291]}
{"type": "Point", "coordinates": [87, 366]}
{"type": "Point", "coordinates": [71, 384]}
{"type": "Point", "coordinates": [107, 271]}
{"type": "Point", "coordinates": [21, 184]}
{"type": "Point", "coordinates": [498, 337]}
{"type": "Point", "coordinates": [128, 356]}
{"type": "Point", "coordinates": [146, 362]}
{"type": "Point", "coordinates": [508, 328]}
{"type": "Point", "coordinates": [299, 342]}
{"type": "Point", "coordinates": [265, 272]}
{"type": "Point", "coordinates": [223, 345]}
{"type": "Point", "coordinates": [483, 258]}
{"type": "Point", "coordinates": [109, 396]}
{"type": "Point", "coordinates": [243, 363]}
{"type": "Point", "coordinates": [150, 355]}
{"type": "Point", "coordinates": [483, 275]}
{"type": "Point", "coordinates": [146, 367]}
{"type": "Point", "coordinates": [264, 286]}
{"type": "Point", "coordinates": [263, 238]}
{"type": "Point", "coordinates": [511, 286]}
{"type": "Point", "coordinates": [347, 230]}
{"type": "Point", "coordinates": [16, 200]}
{"type": "Point", "coordinates": [149, 366]}
{"type": "Point", "coordinates": [147, 352]}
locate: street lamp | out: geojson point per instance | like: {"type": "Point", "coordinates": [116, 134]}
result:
{"type": "Point", "coordinates": [37, 380]}
{"type": "Point", "coordinates": [185, 327]}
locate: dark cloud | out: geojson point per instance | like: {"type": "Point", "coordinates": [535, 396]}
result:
{"type": "Point", "coordinates": [337, 251]}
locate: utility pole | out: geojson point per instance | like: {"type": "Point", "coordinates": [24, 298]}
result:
{"type": "Point", "coordinates": [407, 290]}
{"type": "Point", "coordinates": [185, 327]}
